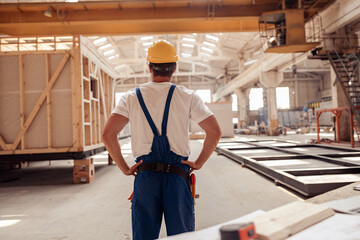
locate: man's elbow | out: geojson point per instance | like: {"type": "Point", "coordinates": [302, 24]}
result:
{"type": "Point", "coordinates": [218, 133]}
{"type": "Point", "coordinates": [105, 136]}
{"type": "Point", "coordinates": [215, 133]}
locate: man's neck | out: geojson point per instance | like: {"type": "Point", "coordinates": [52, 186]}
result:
{"type": "Point", "coordinates": [160, 79]}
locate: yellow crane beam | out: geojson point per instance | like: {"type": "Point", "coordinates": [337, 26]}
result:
{"type": "Point", "coordinates": [113, 19]}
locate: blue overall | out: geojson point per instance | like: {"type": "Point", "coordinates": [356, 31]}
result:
{"type": "Point", "coordinates": [158, 193]}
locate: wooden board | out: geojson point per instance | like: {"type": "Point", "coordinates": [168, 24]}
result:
{"type": "Point", "coordinates": [287, 220]}
{"type": "Point", "coordinates": [194, 136]}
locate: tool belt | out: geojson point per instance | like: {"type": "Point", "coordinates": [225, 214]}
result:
{"type": "Point", "coordinates": [163, 167]}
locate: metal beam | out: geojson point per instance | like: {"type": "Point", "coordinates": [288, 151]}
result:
{"type": "Point", "coordinates": [143, 75]}
{"type": "Point", "coordinates": [301, 79]}
{"type": "Point", "coordinates": [197, 59]}
{"type": "Point", "coordinates": [306, 70]}
{"type": "Point", "coordinates": [339, 14]}
{"type": "Point", "coordinates": [102, 18]}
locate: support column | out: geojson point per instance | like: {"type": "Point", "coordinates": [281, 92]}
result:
{"type": "Point", "coordinates": [339, 100]}
{"type": "Point", "coordinates": [271, 80]}
{"type": "Point", "coordinates": [242, 102]}
{"type": "Point", "coordinates": [84, 170]}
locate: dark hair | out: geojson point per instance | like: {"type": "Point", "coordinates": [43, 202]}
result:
{"type": "Point", "coordinates": [163, 69]}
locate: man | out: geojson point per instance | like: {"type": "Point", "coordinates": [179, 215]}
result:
{"type": "Point", "coordinates": [159, 114]}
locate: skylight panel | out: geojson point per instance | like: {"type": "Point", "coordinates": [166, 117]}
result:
{"type": "Point", "coordinates": [100, 40]}
{"type": "Point", "coordinates": [146, 38]}
{"type": "Point", "coordinates": [205, 54]}
{"type": "Point", "coordinates": [209, 44]}
{"type": "Point", "coordinates": [189, 39]}
{"type": "Point", "coordinates": [147, 43]}
{"type": "Point", "coordinates": [105, 46]}
{"type": "Point", "coordinates": [207, 49]}
{"type": "Point", "coordinates": [186, 54]}
{"type": "Point", "coordinates": [107, 53]}
{"type": "Point", "coordinates": [212, 37]}
{"type": "Point", "coordinates": [187, 45]}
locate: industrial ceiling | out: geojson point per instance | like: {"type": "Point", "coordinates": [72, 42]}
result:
{"type": "Point", "coordinates": [213, 38]}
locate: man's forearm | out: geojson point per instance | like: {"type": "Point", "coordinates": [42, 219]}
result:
{"type": "Point", "coordinates": [113, 147]}
{"type": "Point", "coordinates": [210, 143]}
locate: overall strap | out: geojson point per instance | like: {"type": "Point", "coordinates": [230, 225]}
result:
{"type": "Point", "coordinates": [166, 111]}
{"type": "Point", "coordinates": [146, 112]}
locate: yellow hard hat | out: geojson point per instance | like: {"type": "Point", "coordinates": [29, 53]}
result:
{"type": "Point", "coordinates": [162, 52]}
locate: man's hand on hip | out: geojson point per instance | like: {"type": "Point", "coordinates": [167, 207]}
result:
{"type": "Point", "coordinates": [133, 170]}
{"type": "Point", "coordinates": [193, 165]}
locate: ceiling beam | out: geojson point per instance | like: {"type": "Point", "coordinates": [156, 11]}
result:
{"type": "Point", "coordinates": [306, 70]}
{"type": "Point", "coordinates": [340, 13]}
{"type": "Point", "coordinates": [196, 59]}
{"type": "Point", "coordinates": [110, 20]}
{"type": "Point", "coordinates": [251, 75]}
{"type": "Point", "coordinates": [143, 75]}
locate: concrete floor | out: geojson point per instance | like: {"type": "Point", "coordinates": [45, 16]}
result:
{"type": "Point", "coordinates": [40, 202]}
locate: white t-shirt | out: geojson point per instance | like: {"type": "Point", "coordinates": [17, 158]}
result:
{"type": "Point", "coordinates": [185, 105]}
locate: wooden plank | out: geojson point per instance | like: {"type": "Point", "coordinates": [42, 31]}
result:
{"type": "Point", "coordinates": [287, 220]}
{"type": "Point", "coordinates": [194, 136]}
{"type": "Point", "coordinates": [113, 103]}
{"type": "Point", "coordinates": [94, 146]}
{"type": "Point", "coordinates": [49, 102]}
{"type": "Point", "coordinates": [77, 96]}
{"type": "Point", "coordinates": [22, 97]}
{"type": "Point", "coordinates": [85, 67]}
{"type": "Point", "coordinates": [98, 123]}
{"type": "Point", "coordinates": [87, 136]}
{"type": "Point", "coordinates": [93, 122]}
{"type": "Point", "coordinates": [102, 116]}
{"type": "Point", "coordinates": [108, 94]}
{"type": "Point", "coordinates": [102, 94]}
{"type": "Point", "coordinates": [39, 150]}
{"type": "Point", "coordinates": [3, 144]}
{"type": "Point", "coordinates": [40, 101]}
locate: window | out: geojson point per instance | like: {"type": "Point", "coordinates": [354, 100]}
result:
{"type": "Point", "coordinates": [256, 99]}
{"type": "Point", "coordinates": [282, 98]}
{"type": "Point", "coordinates": [234, 102]}
{"type": "Point", "coordinates": [205, 95]}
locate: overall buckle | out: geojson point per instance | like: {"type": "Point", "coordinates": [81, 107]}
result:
{"type": "Point", "coordinates": [161, 167]}
{"type": "Point", "coordinates": [167, 168]}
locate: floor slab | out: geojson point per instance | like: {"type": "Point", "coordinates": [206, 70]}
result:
{"type": "Point", "coordinates": [40, 202]}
